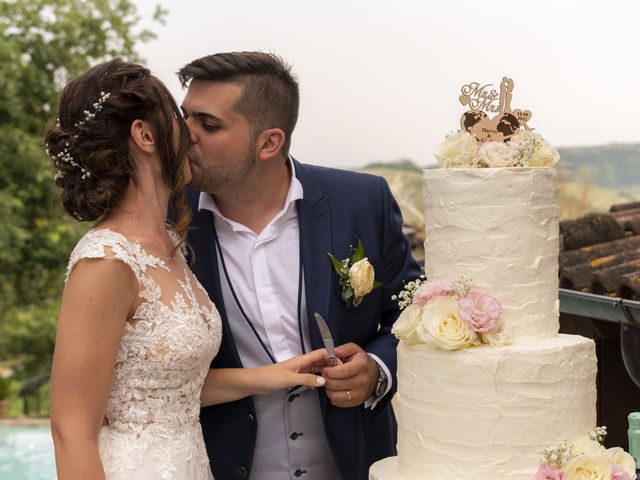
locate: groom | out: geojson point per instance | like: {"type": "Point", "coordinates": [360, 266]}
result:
{"type": "Point", "coordinates": [263, 224]}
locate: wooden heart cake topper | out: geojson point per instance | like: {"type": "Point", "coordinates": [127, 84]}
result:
{"type": "Point", "coordinates": [484, 100]}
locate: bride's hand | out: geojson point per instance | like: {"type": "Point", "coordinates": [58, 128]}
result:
{"type": "Point", "coordinates": [294, 372]}
{"type": "Point", "coordinates": [230, 384]}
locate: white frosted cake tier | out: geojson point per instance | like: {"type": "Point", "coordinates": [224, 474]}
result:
{"type": "Point", "coordinates": [498, 227]}
{"type": "Point", "coordinates": [486, 413]}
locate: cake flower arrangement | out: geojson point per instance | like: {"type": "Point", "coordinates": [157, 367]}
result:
{"type": "Point", "coordinates": [586, 459]}
{"type": "Point", "coordinates": [449, 315]}
{"type": "Point", "coordinates": [525, 149]}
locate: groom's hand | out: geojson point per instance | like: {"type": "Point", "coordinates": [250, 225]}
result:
{"type": "Point", "coordinates": [351, 383]}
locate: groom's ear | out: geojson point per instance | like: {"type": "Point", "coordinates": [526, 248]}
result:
{"type": "Point", "coordinates": [269, 143]}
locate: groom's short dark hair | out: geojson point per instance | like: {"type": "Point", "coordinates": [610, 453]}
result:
{"type": "Point", "coordinates": [270, 97]}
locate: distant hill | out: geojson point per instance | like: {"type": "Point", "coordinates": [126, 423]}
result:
{"type": "Point", "coordinates": [594, 178]}
{"type": "Point", "coordinates": [591, 179]}
{"type": "Point", "coordinates": [611, 166]}
{"type": "Point", "coordinates": [405, 180]}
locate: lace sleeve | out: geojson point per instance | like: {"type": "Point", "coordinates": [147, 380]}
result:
{"type": "Point", "coordinates": [105, 244]}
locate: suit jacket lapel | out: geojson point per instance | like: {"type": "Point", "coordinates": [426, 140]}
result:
{"type": "Point", "coordinates": [315, 241]}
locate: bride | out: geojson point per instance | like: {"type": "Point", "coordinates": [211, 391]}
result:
{"type": "Point", "coordinates": [137, 332]}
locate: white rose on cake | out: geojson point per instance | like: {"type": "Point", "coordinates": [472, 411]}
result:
{"type": "Point", "coordinates": [537, 152]}
{"type": "Point", "coordinates": [407, 323]}
{"type": "Point", "coordinates": [588, 467]}
{"type": "Point", "coordinates": [497, 155]}
{"type": "Point", "coordinates": [442, 327]}
{"type": "Point", "coordinates": [457, 150]}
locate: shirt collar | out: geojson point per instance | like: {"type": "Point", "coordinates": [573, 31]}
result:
{"type": "Point", "coordinates": [295, 192]}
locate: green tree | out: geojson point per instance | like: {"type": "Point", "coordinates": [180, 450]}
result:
{"type": "Point", "coordinates": [43, 43]}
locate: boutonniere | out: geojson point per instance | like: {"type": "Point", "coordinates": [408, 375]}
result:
{"type": "Point", "coordinates": [355, 276]}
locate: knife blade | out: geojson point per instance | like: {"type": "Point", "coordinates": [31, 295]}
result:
{"type": "Point", "coordinates": [327, 338]}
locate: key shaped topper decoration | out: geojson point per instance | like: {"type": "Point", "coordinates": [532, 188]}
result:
{"type": "Point", "coordinates": [484, 100]}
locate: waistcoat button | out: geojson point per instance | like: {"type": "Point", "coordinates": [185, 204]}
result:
{"type": "Point", "coordinates": [241, 472]}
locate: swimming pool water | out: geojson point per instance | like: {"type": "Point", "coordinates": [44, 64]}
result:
{"type": "Point", "coordinates": [26, 453]}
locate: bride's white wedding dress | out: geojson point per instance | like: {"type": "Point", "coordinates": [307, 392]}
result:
{"type": "Point", "coordinates": [164, 356]}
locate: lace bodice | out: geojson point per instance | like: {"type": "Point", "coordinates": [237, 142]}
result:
{"type": "Point", "coordinates": [164, 356]}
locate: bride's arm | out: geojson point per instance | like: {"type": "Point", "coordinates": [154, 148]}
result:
{"type": "Point", "coordinates": [96, 301]}
{"type": "Point", "coordinates": [229, 384]}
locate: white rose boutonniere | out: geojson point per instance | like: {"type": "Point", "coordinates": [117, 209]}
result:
{"type": "Point", "coordinates": [361, 276]}
{"type": "Point", "coordinates": [356, 276]}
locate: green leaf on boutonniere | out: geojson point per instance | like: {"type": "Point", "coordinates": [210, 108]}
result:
{"type": "Point", "coordinates": [338, 266]}
{"type": "Point", "coordinates": [376, 284]}
{"type": "Point", "coordinates": [347, 294]}
{"type": "Point", "coordinates": [358, 253]}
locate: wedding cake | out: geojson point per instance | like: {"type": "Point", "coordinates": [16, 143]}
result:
{"type": "Point", "coordinates": [485, 382]}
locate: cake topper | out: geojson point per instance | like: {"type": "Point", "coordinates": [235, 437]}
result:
{"type": "Point", "coordinates": [484, 100]}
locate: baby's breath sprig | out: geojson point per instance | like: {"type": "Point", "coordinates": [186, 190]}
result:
{"type": "Point", "coordinates": [405, 297]}
{"type": "Point", "coordinates": [461, 287]}
{"type": "Point", "coordinates": [557, 456]}
{"type": "Point", "coordinates": [598, 434]}
{"type": "Point", "coordinates": [523, 152]}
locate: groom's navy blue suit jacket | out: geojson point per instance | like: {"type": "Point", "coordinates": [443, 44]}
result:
{"type": "Point", "coordinates": [337, 206]}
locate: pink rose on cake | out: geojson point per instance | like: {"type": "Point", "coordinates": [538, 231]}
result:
{"type": "Point", "coordinates": [622, 462]}
{"type": "Point", "coordinates": [480, 310]}
{"type": "Point", "coordinates": [618, 474]}
{"type": "Point", "coordinates": [429, 290]}
{"type": "Point", "coordinates": [547, 472]}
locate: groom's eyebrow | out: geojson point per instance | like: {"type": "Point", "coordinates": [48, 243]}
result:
{"type": "Point", "coordinates": [210, 116]}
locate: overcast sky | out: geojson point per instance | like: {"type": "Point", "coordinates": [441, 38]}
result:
{"type": "Point", "coordinates": [380, 80]}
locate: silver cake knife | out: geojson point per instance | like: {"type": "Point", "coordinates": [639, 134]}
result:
{"type": "Point", "coordinates": [327, 338]}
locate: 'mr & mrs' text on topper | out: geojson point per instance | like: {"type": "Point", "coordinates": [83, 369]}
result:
{"type": "Point", "coordinates": [485, 100]}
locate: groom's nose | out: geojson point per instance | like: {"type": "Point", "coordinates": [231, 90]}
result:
{"type": "Point", "coordinates": [192, 134]}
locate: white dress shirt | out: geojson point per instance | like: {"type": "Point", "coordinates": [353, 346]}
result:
{"type": "Point", "coordinates": [264, 269]}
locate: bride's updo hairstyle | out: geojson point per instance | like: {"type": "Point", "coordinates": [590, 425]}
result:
{"type": "Point", "coordinates": [89, 145]}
